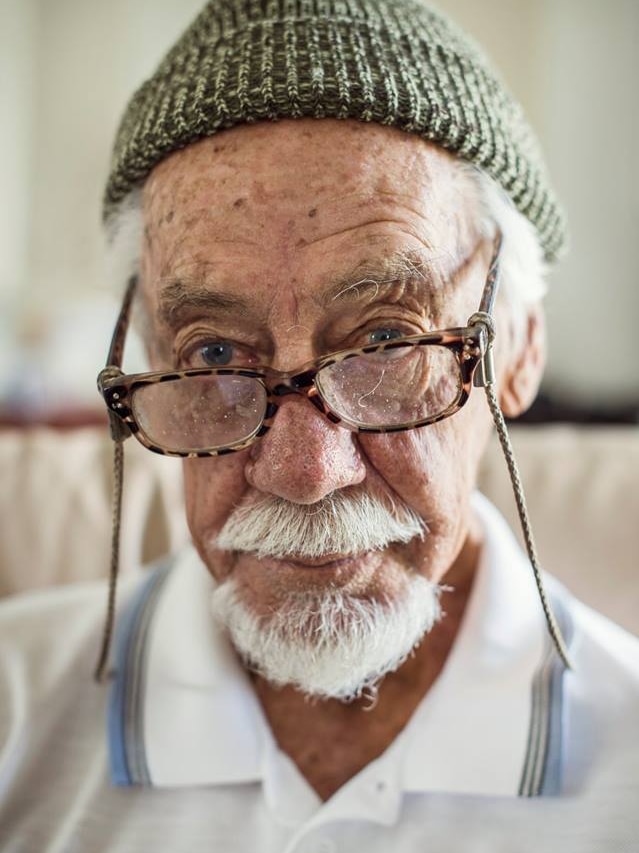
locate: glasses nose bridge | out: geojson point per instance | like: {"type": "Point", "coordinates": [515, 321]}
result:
{"type": "Point", "coordinates": [299, 384]}
{"type": "Point", "coordinates": [281, 383]}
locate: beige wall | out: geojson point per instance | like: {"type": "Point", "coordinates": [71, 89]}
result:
{"type": "Point", "coordinates": [17, 114]}
{"type": "Point", "coordinates": [72, 63]}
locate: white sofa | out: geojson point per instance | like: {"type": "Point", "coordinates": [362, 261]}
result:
{"type": "Point", "coordinates": [582, 486]}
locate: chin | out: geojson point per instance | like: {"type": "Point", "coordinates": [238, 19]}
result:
{"type": "Point", "coordinates": [328, 643]}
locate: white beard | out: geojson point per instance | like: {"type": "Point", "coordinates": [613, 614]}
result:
{"type": "Point", "coordinates": [327, 643]}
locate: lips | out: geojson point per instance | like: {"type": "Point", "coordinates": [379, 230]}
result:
{"type": "Point", "coordinates": [304, 574]}
{"type": "Point", "coordinates": [327, 561]}
{"type": "Point", "coordinates": [337, 567]}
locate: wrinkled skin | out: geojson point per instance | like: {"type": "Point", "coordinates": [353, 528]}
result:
{"type": "Point", "coordinates": [275, 214]}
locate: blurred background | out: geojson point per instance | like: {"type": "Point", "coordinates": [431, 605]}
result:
{"type": "Point", "coordinates": [67, 68]}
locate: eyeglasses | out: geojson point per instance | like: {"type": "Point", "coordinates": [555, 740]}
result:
{"type": "Point", "coordinates": [399, 384]}
{"type": "Point", "coordinates": [403, 384]}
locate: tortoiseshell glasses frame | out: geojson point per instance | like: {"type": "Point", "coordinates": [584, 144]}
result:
{"type": "Point", "coordinates": [470, 347]}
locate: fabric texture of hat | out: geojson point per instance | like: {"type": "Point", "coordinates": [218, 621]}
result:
{"type": "Point", "coordinates": [394, 62]}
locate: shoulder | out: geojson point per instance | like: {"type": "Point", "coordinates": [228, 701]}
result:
{"type": "Point", "coordinates": [595, 642]}
{"type": "Point", "coordinates": [51, 603]}
{"type": "Point", "coordinates": [603, 646]}
{"type": "Point", "coordinates": [602, 706]}
{"type": "Point", "coordinates": [46, 634]}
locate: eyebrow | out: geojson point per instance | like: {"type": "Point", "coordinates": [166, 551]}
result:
{"type": "Point", "coordinates": [373, 277]}
{"type": "Point", "coordinates": [179, 299]}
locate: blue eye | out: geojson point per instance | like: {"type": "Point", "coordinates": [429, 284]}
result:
{"type": "Point", "coordinates": [380, 336]}
{"type": "Point", "coordinates": [218, 354]}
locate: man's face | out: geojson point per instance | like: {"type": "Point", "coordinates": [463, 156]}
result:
{"type": "Point", "coordinates": [261, 246]}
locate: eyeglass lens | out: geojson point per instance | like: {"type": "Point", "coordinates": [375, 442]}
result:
{"type": "Point", "coordinates": [392, 387]}
{"type": "Point", "coordinates": [200, 412]}
{"type": "Point", "coordinates": [388, 388]}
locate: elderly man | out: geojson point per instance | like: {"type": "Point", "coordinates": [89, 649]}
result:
{"type": "Point", "coordinates": [353, 655]}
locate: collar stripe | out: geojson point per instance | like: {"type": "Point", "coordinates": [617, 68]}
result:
{"type": "Point", "coordinates": [541, 775]}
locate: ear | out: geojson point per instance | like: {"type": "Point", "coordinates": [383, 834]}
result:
{"type": "Point", "coordinates": [522, 376]}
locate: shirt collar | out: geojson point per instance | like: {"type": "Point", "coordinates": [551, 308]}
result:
{"type": "Point", "coordinates": [184, 712]}
{"type": "Point", "coordinates": [202, 721]}
{"type": "Point", "coordinates": [470, 734]}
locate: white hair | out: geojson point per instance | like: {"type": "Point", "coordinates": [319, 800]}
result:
{"type": "Point", "coordinates": [124, 235]}
{"type": "Point", "coordinates": [325, 640]}
{"type": "Point", "coordinates": [522, 264]}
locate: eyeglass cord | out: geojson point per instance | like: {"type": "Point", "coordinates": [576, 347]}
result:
{"type": "Point", "coordinates": [522, 509]}
{"type": "Point", "coordinates": [118, 475]}
{"type": "Point", "coordinates": [504, 439]}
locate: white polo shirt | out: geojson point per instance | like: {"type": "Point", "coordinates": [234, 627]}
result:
{"type": "Point", "coordinates": [507, 751]}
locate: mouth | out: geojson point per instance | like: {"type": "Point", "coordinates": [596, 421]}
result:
{"type": "Point", "coordinates": [326, 561]}
{"type": "Point", "coordinates": [330, 568]}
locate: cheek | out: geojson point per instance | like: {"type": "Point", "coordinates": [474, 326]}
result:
{"type": "Point", "coordinates": [421, 467]}
{"type": "Point", "coordinates": [212, 488]}
{"type": "Point", "coordinates": [434, 469]}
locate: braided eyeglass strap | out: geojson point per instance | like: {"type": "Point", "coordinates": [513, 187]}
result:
{"type": "Point", "coordinates": [522, 509]}
{"type": "Point", "coordinates": [118, 473]}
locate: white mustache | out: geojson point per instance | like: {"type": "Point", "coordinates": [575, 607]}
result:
{"type": "Point", "coordinates": [340, 524]}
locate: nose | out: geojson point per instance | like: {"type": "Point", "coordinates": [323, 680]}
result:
{"type": "Point", "coordinates": [304, 457]}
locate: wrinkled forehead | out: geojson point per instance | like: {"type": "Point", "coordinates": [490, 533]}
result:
{"type": "Point", "coordinates": [288, 194]}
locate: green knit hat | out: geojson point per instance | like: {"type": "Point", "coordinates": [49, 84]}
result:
{"type": "Point", "coordinates": [394, 62]}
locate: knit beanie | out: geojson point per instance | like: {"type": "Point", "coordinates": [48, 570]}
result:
{"type": "Point", "coordinates": [394, 62]}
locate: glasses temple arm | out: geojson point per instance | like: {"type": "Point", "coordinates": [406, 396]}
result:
{"type": "Point", "coordinates": [113, 369]}
{"type": "Point", "coordinates": [116, 350]}
{"type": "Point", "coordinates": [491, 287]}
{"type": "Point", "coordinates": [485, 373]}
